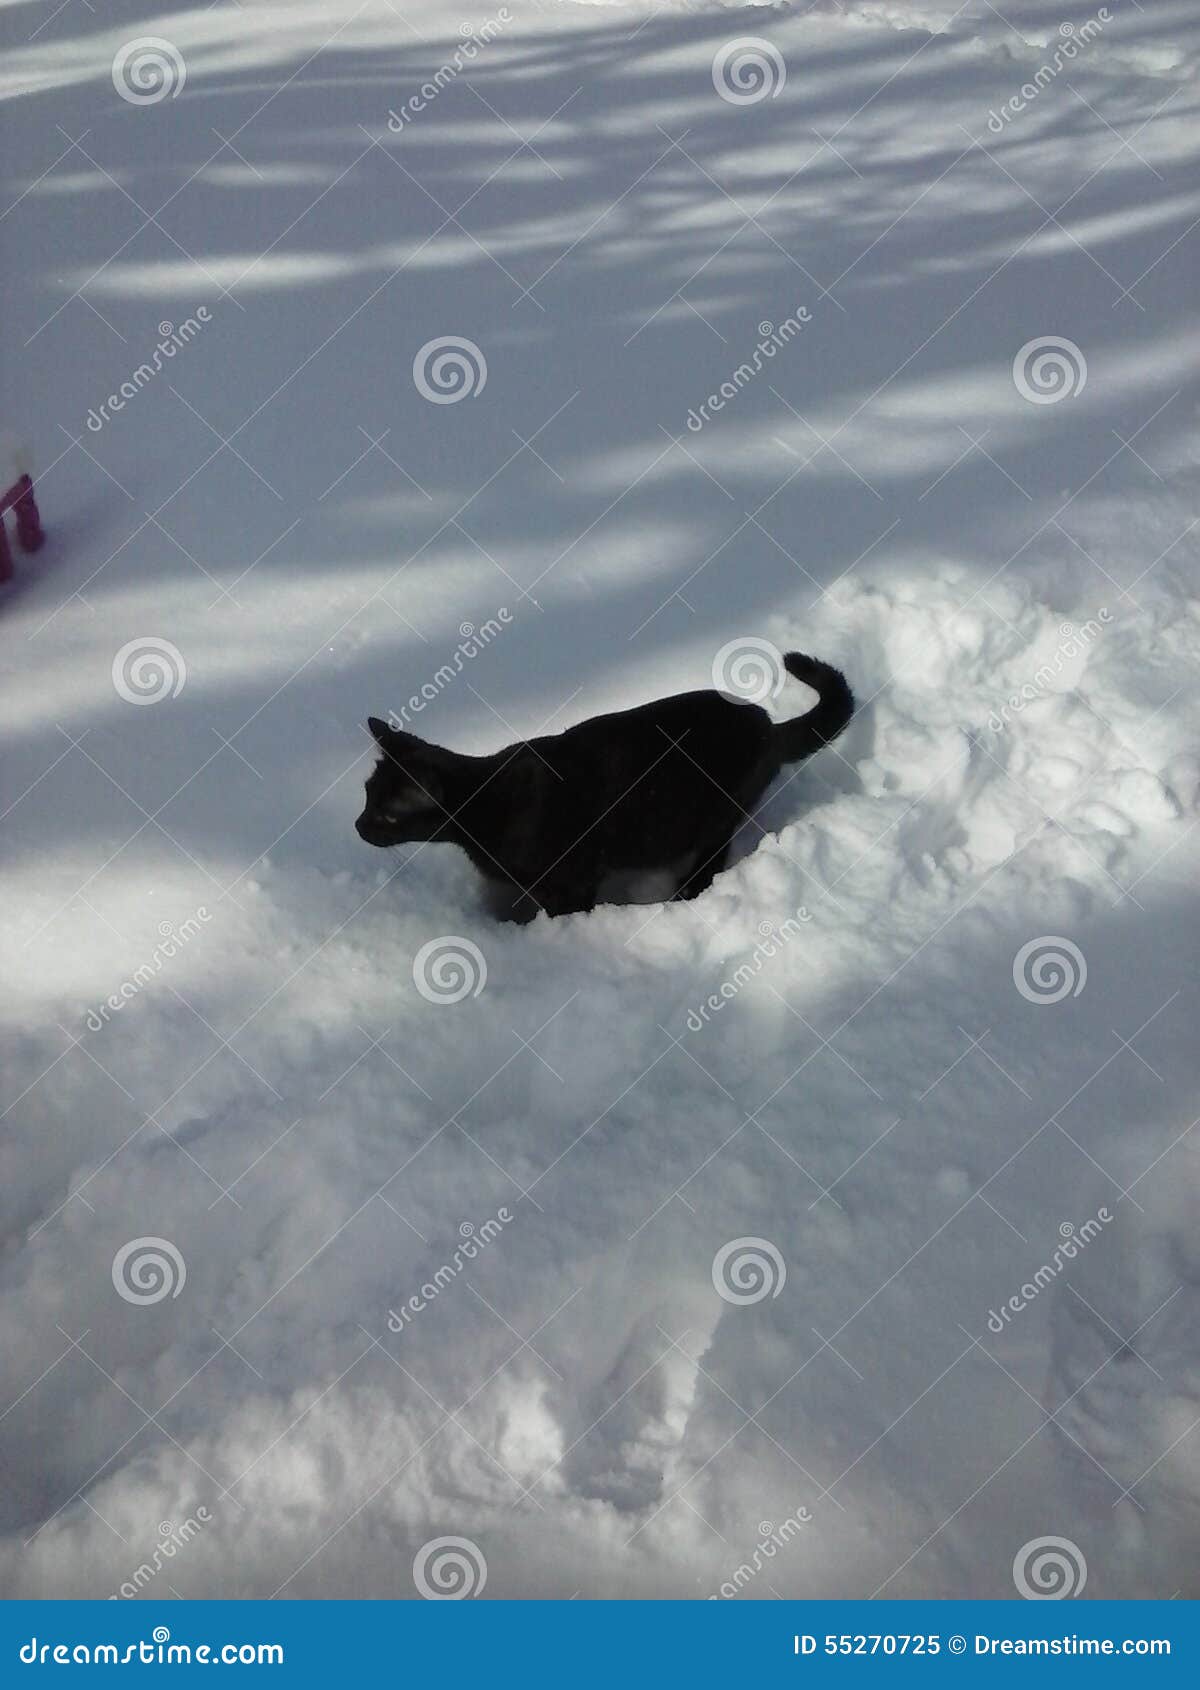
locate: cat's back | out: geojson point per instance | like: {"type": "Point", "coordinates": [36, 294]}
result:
{"type": "Point", "coordinates": [701, 727]}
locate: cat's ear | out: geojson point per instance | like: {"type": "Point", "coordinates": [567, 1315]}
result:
{"type": "Point", "coordinates": [379, 730]}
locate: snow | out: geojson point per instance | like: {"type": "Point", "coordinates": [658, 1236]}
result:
{"type": "Point", "coordinates": [912, 1129]}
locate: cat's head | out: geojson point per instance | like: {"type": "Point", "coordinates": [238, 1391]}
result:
{"type": "Point", "coordinates": [406, 794]}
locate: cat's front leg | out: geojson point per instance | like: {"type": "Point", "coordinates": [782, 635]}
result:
{"type": "Point", "coordinates": [506, 902]}
{"type": "Point", "coordinates": [700, 878]}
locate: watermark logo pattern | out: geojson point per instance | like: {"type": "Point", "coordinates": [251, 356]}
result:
{"type": "Point", "coordinates": [450, 1569]}
{"type": "Point", "coordinates": [748, 70]}
{"type": "Point", "coordinates": [148, 669]}
{"type": "Point", "coordinates": [749, 670]}
{"type": "Point", "coordinates": [148, 70]}
{"type": "Point", "coordinates": [746, 1270]}
{"type": "Point", "coordinates": [1048, 1569]}
{"type": "Point", "coordinates": [1048, 969]}
{"type": "Point", "coordinates": [449, 969]}
{"type": "Point", "coordinates": [448, 369]}
{"type": "Point", "coordinates": [147, 1270]}
{"type": "Point", "coordinates": [1048, 369]}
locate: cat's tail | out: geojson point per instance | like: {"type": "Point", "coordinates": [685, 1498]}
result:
{"type": "Point", "coordinates": [803, 735]}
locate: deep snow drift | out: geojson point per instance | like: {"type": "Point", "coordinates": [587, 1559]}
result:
{"type": "Point", "coordinates": [901, 1233]}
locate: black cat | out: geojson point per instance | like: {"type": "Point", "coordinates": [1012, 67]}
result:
{"type": "Point", "coordinates": [633, 807]}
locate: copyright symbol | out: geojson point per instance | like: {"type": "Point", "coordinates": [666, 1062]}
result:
{"type": "Point", "coordinates": [958, 1645]}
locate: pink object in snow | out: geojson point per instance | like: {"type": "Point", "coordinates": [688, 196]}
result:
{"type": "Point", "coordinates": [20, 500]}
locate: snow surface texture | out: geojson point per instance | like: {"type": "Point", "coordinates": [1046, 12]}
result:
{"type": "Point", "coordinates": [908, 1109]}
